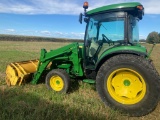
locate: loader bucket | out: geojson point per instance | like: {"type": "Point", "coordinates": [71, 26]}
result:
{"type": "Point", "coordinates": [20, 72]}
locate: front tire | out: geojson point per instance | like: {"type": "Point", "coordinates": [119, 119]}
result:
{"type": "Point", "coordinates": [58, 80]}
{"type": "Point", "coordinates": [128, 83]}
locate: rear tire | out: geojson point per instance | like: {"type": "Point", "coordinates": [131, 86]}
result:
{"type": "Point", "coordinates": [58, 80]}
{"type": "Point", "coordinates": [128, 83]}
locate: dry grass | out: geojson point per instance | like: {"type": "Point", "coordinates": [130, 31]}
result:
{"type": "Point", "coordinates": [36, 102]}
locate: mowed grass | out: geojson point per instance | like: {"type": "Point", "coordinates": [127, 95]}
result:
{"type": "Point", "coordinates": [36, 102]}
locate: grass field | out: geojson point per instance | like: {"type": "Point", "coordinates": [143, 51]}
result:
{"type": "Point", "coordinates": [35, 102]}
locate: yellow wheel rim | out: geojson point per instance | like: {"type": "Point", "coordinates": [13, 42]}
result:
{"type": "Point", "coordinates": [126, 86]}
{"type": "Point", "coordinates": [56, 83]}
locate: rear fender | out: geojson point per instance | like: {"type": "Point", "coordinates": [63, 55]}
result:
{"type": "Point", "coordinates": [107, 56]}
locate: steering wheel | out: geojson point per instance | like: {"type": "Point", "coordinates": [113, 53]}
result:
{"type": "Point", "coordinates": [106, 39]}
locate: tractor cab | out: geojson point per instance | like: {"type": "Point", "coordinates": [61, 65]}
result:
{"type": "Point", "coordinates": [109, 27]}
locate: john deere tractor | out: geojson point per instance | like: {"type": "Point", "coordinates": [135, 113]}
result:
{"type": "Point", "coordinates": [110, 57]}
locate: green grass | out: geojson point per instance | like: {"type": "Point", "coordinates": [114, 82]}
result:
{"type": "Point", "coordinates": [36, 102]}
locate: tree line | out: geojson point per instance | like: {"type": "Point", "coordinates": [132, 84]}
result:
{"type": "Point", "coordinates": [4, 37]}
{"type": "Point", "coordinates": [153, 37]}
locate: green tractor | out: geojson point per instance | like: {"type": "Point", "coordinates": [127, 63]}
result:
{"type": "Point", "coordinates": [110, 57]}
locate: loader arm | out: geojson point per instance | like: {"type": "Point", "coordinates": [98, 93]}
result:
{"type": "Point", "coordinates": [68, 58]}
{"type": "Point", "coordinates": [68, 54]}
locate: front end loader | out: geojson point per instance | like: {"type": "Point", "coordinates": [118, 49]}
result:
{"type": "Point", "coordinates": [68, 57]}
{"type": "Point", "coordinates": [110, 56]}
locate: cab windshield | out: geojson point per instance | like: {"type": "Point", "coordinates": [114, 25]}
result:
{"type": "Point", "coordinates": [104, 31]}
{"type": "Point", "coordinates": [108, 30]}
{"type": "Point", "coordinates": [109, 25]}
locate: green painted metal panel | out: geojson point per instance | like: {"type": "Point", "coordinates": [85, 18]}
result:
{"type": "Point", "coordinates": [89, 81]}
{"type": "Point", "coordinates": [114, 7]}
{"type": "Point", "coordinates": [81, 50]}
{"type": "Point", "coordinates": [137, 48]}
{"type": "Point", "coordinates": [64, 66]}
{"type": "Point", "coordinates": [64, 57]}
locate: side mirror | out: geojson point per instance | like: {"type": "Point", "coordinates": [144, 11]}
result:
{"type": "Point", "coordinates": [85, 6]}
{"type": "Point", "coordinates": [80, 18]}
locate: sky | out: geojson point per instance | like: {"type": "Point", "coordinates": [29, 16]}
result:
{"type": "Point", "coordinates": [59, 18]}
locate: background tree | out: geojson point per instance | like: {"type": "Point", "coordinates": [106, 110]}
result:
{"type": "Point", "coordinates": [142, 40]}
{"type": "Point", "coordinates": [153, 37]}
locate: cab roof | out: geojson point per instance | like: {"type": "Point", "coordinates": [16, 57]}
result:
{"type": "Point", "coordinates": [114, 7]}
